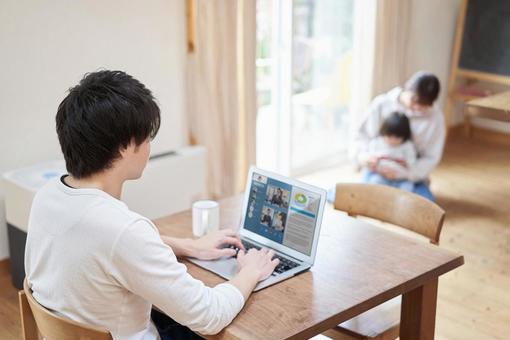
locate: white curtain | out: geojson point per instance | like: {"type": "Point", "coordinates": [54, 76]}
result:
{"type": "Point", "coordinates": [380, 51]}
{"type": "Point", "coordinates": [391, 43]}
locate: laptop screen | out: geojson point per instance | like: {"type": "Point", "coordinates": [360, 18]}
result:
{"type": "Point", "coordinates": [282, 213]}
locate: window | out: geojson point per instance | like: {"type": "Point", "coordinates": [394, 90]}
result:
{"type": "Point", "coordinates": [304, 58]}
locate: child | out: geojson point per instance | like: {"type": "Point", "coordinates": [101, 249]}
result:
{"type": "Point", "coordinates": [417, 99]}
{"type": "Point", "coordinates": [392, 149]}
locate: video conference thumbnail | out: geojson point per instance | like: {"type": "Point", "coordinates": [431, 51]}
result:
{"type": "Point", "coordinates": [273, 219]}
{"type": "Point", "coordinates": [277, 196]}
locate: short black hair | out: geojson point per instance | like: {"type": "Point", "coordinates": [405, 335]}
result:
{"type": "Point", "coordinates": [425, 86]}
{"type": "Point", "coordinates": [107, 110]}
{"type": "Point", "coordinates": [397, 124]}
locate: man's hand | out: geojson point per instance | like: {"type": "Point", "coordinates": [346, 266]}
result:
{"type": "Point", "coordinates": [254, 266]}
{"type": "Point", "coordinates": [256, 261]}
{"type": "Point", "coordinates": [208, 247]}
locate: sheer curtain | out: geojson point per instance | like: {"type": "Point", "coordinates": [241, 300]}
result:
{"type": "Point", "coordinates": [391, 43]}
{"type": "Point", "coordinates": [380, 51]}
{"type": "Point", "coordinates": [221, 95]}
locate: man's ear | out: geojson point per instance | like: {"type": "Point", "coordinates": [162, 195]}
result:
{"type": "Point", "coordinates": [123, 150]}
{"type": "Point", "coordinates": [131, 147]}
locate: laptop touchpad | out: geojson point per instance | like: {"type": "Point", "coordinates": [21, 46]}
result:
{"type": "Point", "coordinates": [225, 267]}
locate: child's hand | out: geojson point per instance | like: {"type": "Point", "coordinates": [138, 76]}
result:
{"type": "Point", "coordinates": [372, 163]}
{"type": "Point", "coordinates": [388, 173]}
{"type": "Point", "coordinates": [401, 162]}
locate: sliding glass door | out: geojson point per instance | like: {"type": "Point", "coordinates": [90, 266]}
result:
{"type": "Point", "coordinates": [304, 58]}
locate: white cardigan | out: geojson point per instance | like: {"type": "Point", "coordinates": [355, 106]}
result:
{"type": "Point", "coordinates": [91, 259]}
{"type": "Point", "coordinates": [427, 128]}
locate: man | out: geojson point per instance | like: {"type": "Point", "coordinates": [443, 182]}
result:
{"type": "Point", "coordinates": [417, 100]}
{"type": "Point", "coordinates": [277, 198]}
{"type": "Point", "coordinates": [91, 259]}
{"type": "Point", "coordinates": [266, 218]}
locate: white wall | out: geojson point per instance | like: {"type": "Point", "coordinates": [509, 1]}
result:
{"type": "Point", "coordinates": [430, 39]}
{"type": "Point", "coordinates": [430, 44]}
{"type": "Point", "coordinates": [47, 46]}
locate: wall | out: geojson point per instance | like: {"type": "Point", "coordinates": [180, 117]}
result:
{"type": "Point", "coordinates": [430, 43]}
{"type": "Point", "coordinates": [430, 40]}
{"type": "Point", "coordinates": [47, 46]}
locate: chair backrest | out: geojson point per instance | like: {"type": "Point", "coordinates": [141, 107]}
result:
{"type": "Point", "coordinates": [52, 326]}
{"type": "Point", "coordinates": [391, 205]}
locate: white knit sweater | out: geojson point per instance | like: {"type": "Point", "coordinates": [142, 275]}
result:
{"type": "Point", "coordinates": [91, 259]}
{"type": "Point", "coordinates": [427, 128]}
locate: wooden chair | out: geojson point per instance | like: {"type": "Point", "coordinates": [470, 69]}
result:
{"type": "Point", "coordinates": [36, 319]}
{"type": "Point", "coordinates": [400, 208]}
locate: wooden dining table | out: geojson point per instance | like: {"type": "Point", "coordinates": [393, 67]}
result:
{"type": "Point", "coordinates": [357, 267]}
{"type": "Point", "coordinates": [495, 107]}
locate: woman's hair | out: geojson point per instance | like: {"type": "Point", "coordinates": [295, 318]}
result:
{"type": "Point", "coordinates": [105, 112]}
{"type": "Point", "coordinates": [396, 124]}
{"type": "Point", "coordinates": [425, 86]}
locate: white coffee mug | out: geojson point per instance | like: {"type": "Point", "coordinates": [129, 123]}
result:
{"type": "Point", "coordinates": [206, 217]}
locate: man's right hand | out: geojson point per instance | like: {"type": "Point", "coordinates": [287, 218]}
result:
{"type": "Point", "coordinates": [258, 261]}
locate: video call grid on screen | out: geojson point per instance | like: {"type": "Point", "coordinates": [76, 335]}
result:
{"type": "Point", "coordinates": [282, 213]}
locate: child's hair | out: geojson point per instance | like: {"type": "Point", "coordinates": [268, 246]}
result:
{"type": "Point", "coordinates": [107, 110]}
{"type": "Point", "coordinates": [397, 124]}
{"type": "Point", "coordinates": [425, 86]}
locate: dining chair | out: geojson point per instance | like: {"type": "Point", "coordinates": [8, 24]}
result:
{"type": "Point", "coordinates": [35, 320]}
{"type": "Point", "coordinates": [390, 205]}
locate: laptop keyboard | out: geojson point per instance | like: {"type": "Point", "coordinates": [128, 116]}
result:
{"type": "Point", "coordinates": [284, 265]}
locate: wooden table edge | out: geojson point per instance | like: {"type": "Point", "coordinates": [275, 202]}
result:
{"type": "Point", "coordinates": [331, 322]}
{"type": "Point", "coordinates": [380, 298]}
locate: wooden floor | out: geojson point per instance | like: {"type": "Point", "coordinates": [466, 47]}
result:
{"type": "Point", "coordinates": [10, 327]}
{"type": "Point", "coordinates": [473, 185]}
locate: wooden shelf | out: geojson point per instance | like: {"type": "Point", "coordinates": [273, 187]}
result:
{"type": "Point", "coordinates": [464, 85]}
{"type": "Point", "coordinates": [463, 97]}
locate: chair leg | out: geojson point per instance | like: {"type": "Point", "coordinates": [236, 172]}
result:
{"type": "Point", "coordinates": [28, 325]}
{"type": "Point", "coordinates": [336, 334]}
{"type": "Point", "coordinates": [390, 334]}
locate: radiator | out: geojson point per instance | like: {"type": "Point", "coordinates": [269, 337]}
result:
{"type": "Point", "coordinates": [170, 183]}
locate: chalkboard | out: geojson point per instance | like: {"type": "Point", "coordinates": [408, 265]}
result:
{"type": "Point", "coordinates": [486, 38]}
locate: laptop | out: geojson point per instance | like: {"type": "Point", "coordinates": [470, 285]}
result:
{"type": "Point", "coordinates": [279, 213]}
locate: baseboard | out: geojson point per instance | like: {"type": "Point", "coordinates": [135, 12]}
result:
{"type": "Point", "coordinates": [491, 136]}
{"type": "Point", "coordinates": [481, 134]}
{"type": "Point", "coordinates": [5, 267]}
{"type": "Point", "coordinates": [455, 130]}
